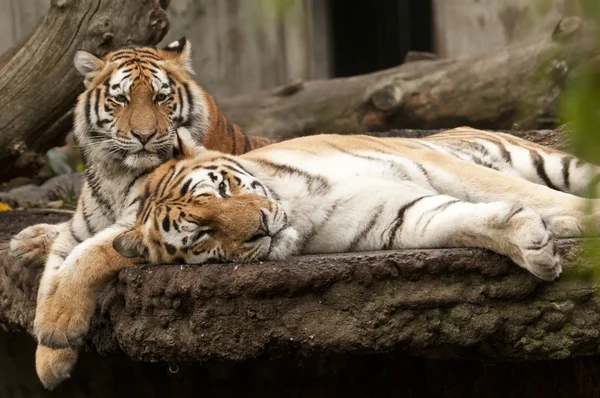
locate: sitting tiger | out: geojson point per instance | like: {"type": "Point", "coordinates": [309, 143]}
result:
{"type": "Point", "coordinates": [332, 193]}
{"type": "Point", "coordinates": [137, 103]}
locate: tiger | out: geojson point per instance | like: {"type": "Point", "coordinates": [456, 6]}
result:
{"type": "Point", "coordinates": [137, 104]}
{"type": "Point", "coordinates": [334, 193]}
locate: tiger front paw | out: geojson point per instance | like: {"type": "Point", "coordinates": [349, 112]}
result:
{"type": "Point", "coordinates": [54, 366]}
{"type": "Point", "coordinates": [537, 251]}
{"type": "Point", "coordinates": [30, 247]}
{"type": "Point", "coordinates": [63, 315]}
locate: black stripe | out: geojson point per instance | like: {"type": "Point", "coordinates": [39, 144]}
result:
{"type": "Point", "coordinates": [97, 104]}
{"type": "Point", "coordinates": [185, 187]}
{"type": "Point", "coordinates": [150, 55]}
{"type": "Point", "coordinates": [127, 63]}
{"type": "Point", "coordinates": [88, 108]}
{"type": "Point", "coordinates": [425, 173]}
{"type": "Point", "coordinates": [166, 224]}
{"type": "Point", "coordinates": [86, 218]}
{"type": "Point", "coordinates": [505, 153]}
{"type": "Point", "coordinates": [247, 144]}
{"type": "Point", "coordinates": [118, 57]}
{"type": "Point", "coordinates": [95, 187]}
{"type": "Point", "coordinates": [437, 211]}
{"type": "Point", "coordinates": [566, 164]}
{"type": "Point", "coordinates": [180, 96]}
{"type": "Point", "coordinates": [396, 167]}
{"type": "Point", "coordinates": [158, 185]}
{"type": "Point", "coordinates": [188, 92]}
{"type": "Point", "coordinates": [400, 220]}
{"type": "Point", "coordinates": [136, 179]}
{"type": "Point", "coordinates": [312, 180]}
{"type": "Point", "coordinates": [144, 62]}
{"type": "Point", "coordinates": [145, 210]}
{"type": "Point", "coordinates": [167, 182]}
{"type": "Point", "coordinates": [474, 145]}
{"type": "Point", "coordinates": [363, 234]}
{"type": "Point", "coordinates": [170, 248]}
{"type": "Point", "coordinates": [539, 165]}
{"type": "Point", "coordinates": [182, 175]}
{"type": "Point", "coordinates": [243, 170]}
{"type": "Point", "coordinates": [231, 131]}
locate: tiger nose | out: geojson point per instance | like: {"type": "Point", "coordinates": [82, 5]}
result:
{"type": "Point", "coordinates": [143, 137]}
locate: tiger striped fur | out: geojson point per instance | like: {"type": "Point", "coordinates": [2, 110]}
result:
{"type": "Point", "coordinates": [128, 121]}
{"type": "Point", "coordinates": [331, 193]}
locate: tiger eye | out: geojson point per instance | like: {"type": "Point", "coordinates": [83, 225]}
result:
{"type": "Point", "coordinates": [121, 98]}
{"type": "Point", "coordinates": [161, 97]}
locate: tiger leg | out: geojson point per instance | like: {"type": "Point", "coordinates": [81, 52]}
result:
{"type": "Point", "coordinates": [473, 183]}
{"type": "Point", "coordinates": [31, 246]}
{"type": "Point", "coordinates": [54, 366]}
{"type": "Point", "coordinates": [507, 228]}
{"type": "Point", "coordinates": [67, 300]}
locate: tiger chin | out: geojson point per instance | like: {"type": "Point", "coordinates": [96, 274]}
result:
{"type": "Point", "coordinates": [332, 193]}
{"type": "Point", "coordinates": [139, 103]}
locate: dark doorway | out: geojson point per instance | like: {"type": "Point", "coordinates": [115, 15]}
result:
{"type": "Point", "coordinates": [376, 34]}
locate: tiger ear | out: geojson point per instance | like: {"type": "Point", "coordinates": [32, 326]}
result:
{"type": "Point", "coordinates": [181, 53]}
{"type": "Point", "coordinates": [186, 145]}
{"type": "Point", "coordinates": [88, 65]}
{"type": "Point", "coordinates": [129, 244]}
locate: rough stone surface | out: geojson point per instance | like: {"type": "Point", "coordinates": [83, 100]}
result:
{"type": "Point", "coordinates": [451, 303]}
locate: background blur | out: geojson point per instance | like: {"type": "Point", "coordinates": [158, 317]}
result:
{"type": "Point", "coordinates": [246, 45]}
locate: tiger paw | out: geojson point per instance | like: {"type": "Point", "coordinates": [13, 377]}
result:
{"type": "Point", "coordinates": [536, 244]}
{"type": "Point", "coordinates": [565, 227]}
{"type": "Point", "coordinates": [30, 247]}
{"type": "Point", "coordinates": [54, 366]}
{"type": "Point", "coordinates": [63, 315]}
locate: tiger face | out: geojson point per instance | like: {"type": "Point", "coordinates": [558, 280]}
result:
{"type": "Point", "coordinates": [207, 211]}
{"type": "Point", "coordinates": [135, 100]}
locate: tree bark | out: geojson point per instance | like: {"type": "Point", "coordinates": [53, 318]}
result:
{"type": "Point", "coordinates": [518, 84]}
{"type": "Point", "coordinates": [38, 83]}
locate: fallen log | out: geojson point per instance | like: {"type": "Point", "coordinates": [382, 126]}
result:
{"type": "Point", "coordinates": [515, 85]}
{"type": "Point", "coordinates": [38, 84]}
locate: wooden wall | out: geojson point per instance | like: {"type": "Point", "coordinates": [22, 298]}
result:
{"type": "Point", "coordinates": [18, 16]}
{"type": "Point", "coordinates": [242, 46]}
{"type": "Point", "coordinates": [465, 27]}
{"type": "Point", "coordinates": [239, 45]}
{"type": "Point", "coordinates": [246, 45]}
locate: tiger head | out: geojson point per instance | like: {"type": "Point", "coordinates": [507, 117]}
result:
{"type": "Point", "coordinates": [135, 99]}
{"type": "Point", "coordinates": [207, 209]}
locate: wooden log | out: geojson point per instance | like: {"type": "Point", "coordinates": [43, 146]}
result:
{"type": "Point", "coordinates": [38, 83]}
{"type": "Point", "coordinates": [489, 91]}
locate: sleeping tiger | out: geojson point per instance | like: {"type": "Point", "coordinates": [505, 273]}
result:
{"type": "Point", "coordinates": [332, 193]}
{"type": "Point", "coordinates": [137, 103]}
